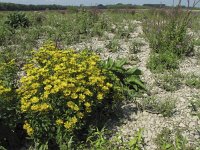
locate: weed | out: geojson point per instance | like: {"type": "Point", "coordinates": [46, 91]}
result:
{"type": "Point", "coordinates": [163, 61]}
{"type": "Point", "coordinates": [137, 142]}
{"type": "Point", "coordinates": [195, 106]}
{"type": "Point", "coordinates": [170, 81]}
{"type": "Point", "coordinates": [113, 46]}
{"type": "Point", "coordinates": [135, 47]}
{"type": "Point", "coordinates": [193, 81]}
{"type": "Point", "coordinates": [97, 139]}
{"type": "Point", "coordinates": [167, 34]}
{"type": "Point", "coordinates": [165, 107]}
{"type": "Point", "coordinates": [171, 140]}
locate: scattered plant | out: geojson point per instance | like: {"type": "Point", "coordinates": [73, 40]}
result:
{"type": "Point", "coordinates": [135, 47]}
{"type": "Point", "coordinates": [195, 106]}
{"type": "Point", "coordinates": [193, 81]}
{"type": "Point", "coordinates": [167, 34]}
{"type": "Point", "coordinates": [113, 46]}
{"type": "Point", "coordinates": [170, 81]}
{"type": "Point", "coordinates": [165, 107]}
{"type": "Point", "coordinates": [171, 140]}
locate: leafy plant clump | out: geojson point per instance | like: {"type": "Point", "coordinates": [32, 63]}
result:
{"type": "Point", "coordinates": [18, 19]}
{"type": "Point", "coordinates": [193, 81]}
{"type": "Point", "coordinates": [195, 106]}
{"type": "Point", "coordinates": [170, 81]}
{"type": "Point", "coordinates": [62, 89]}
{"type": "Point", "coordinates": [172, 140]}
{"type": "Point", "coordinates": [167, 34]}
{"type": "Point", "coordinates": [165, 107]}
{"type": "Point", "coordinates": [99, 139]}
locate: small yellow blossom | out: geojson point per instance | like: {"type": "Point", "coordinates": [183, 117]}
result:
{"type": "Point", "coordinates": [100, 96]}
{"type": "Point", "coordinates": [28, 128]}
{"type": "Point", "coordinates": [67, 125]}
{"type": "Point", "coordinates": [59, 122]}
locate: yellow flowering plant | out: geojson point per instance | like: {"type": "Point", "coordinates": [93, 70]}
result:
{"type": "Point", "coordinates": [60, 90]}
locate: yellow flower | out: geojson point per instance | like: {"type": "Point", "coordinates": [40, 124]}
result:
{"type": "Point", "coordinates": [67, 125]}
{"type": "Point", "coordinates": [109, 85]}
{"type": "Point", "coordinates": [87, 104]}
{"type": "Point", "coordinates": [80, 115]}
{"type": "Point", "coordinates": [105, 88]}
{"type": "Point", "coordinates": [74, 120]}
{"type": "Point", "coordinates": [73, 106]}
{"type": "Point", "coordinates": [48, 87]}
{"type": "Point", "coordinates": [74, 96]}
{"type": "Point", "coordinates": [100, 96]}
{"type": "Point", "coordinates": [82, 97]}
{"type": "Point", "coordinates": [87, 92]}
{"type": "Point", "coordinates": [59, 122]}
{"type": "Point", "coordinates": [34, 100]}
{"type": "Point", "coordinates": [28, 128]}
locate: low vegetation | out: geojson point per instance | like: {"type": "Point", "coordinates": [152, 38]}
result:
{"type": "Point", "coordinates": [53, 96]}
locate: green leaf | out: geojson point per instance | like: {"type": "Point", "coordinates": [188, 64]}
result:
{"type": "Point", "coordinates": [120, 63]}
{"type": "Point", "coordinates": [132, 142]}
{"type": "Point", "coordinates": [133, 80]}
{"type": "Point", "coordinates": [110, 63]}
{"type": "Point", "coordinates": [134, 71]}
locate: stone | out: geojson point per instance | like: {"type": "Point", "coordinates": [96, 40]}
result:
{"type": "Point", "coordinates": [192, 124]}
{"type": "Point", "coordinates": [182, 125]}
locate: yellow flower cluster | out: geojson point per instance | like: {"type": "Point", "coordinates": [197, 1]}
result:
{"type": "Point", "coordinates": [3, 89]}
{"type": "Point", "coordinates": [64, 78]}
{"type": "Point", "coordinates": [28, 128]}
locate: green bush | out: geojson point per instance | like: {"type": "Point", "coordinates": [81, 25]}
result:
{"type": "Point", "coordinates": [64, 90]}
{"type": "Point", "coordinates": [167, 34]}
{"type": "Point", "coordinates": [18, 19]}
{"type": "Point", "coordinates": [163, 61]}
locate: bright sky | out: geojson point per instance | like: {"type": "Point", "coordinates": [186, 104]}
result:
{"type": "Point", "coordinates": [91, 2]}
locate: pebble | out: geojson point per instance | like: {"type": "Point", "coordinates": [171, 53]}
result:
{"type": "Point", "coordinates": [192, 124]}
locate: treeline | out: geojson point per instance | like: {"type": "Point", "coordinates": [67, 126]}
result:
{"type": "Point", "coordinates": [20, 7]}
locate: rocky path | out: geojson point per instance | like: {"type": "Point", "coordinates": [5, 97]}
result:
{"type": "Point", "coordinates": [151, 123]}
{"type": "Point", "coordinates": [154, 123]}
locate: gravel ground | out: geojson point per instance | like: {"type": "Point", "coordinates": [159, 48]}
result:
{"type": "Point", "coordinates": [152, 123]}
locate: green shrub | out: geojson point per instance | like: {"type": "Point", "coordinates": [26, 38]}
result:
{"type": "Point", "coordinates": [163, 61]}
{"type": "Point", "coordinates": [193, 81]}
{"type": "Point", "coordinates": [103, 24]}
{"type": "Point", "coordinates": [18, 19]}
{"type": "Point", "coordinates": [60, 89]}
{"type": "Point", "coordinates": [167, 34]}
{"type": "Point", "coordinates": [85, 21]}
{"type": "Point", "coordinates": [63, 90]}
{"type": "Point", "coordinates": [39, 18]}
